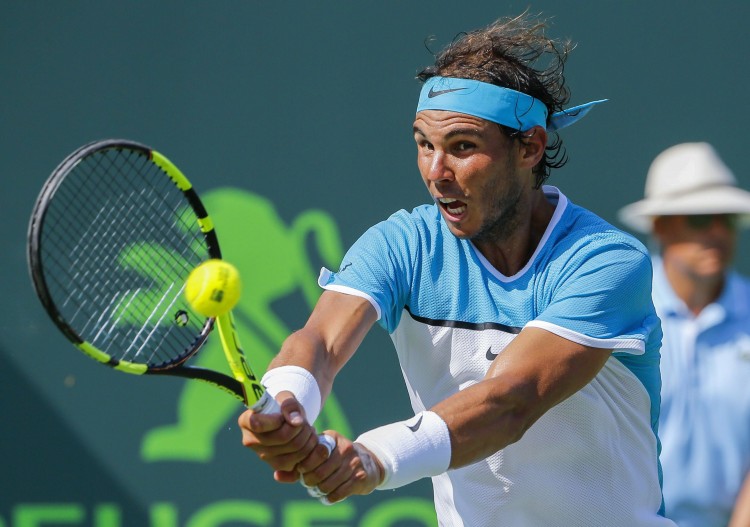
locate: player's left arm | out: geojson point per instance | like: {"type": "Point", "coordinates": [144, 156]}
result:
{"type": "Point", "coordinates": [535, 372]}
{"type": "Point", "coordinates": [604, 303]}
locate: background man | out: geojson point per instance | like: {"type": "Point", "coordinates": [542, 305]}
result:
{"type": "Point", "coordinates": [692, 208]}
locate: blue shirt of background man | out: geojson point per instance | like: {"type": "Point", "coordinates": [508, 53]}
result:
{"type": "Point", "coordinates": [705, 416]}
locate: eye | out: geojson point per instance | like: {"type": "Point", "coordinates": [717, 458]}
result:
{"type": "Point", "coordinates": [425, 145]}
{"type": "Point", "coordinates": [464, 146]}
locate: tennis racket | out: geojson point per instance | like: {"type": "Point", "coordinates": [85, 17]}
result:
{"type": "Point", "coordinates": [113, 236]}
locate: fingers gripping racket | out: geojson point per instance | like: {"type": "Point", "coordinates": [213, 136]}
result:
{"type": "Point", "coordinates": [114, 234]}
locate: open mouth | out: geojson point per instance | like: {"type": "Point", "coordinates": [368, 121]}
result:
{"type": "Point", "coordinates": [452, 206]}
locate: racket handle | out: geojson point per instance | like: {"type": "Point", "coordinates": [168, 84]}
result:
{"type": "Point", "coordinates": [327, 441]}
{"type": "Point", "coordinates": [266, 405]}
{"type": "Point", "coordinates": [314, 492]}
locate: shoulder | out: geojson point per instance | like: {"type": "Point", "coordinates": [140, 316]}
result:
{"type": "Point", "coordinates": [405, 236]}
{"type": "Point", "coordinates": [582, 236]}
{"type": "Point", "coordinates": [421, 225]}
{"type": "Point", "coordinates": [579, 229]}
{"type": "Point", "coordinates": [422, 217]}
{"type": "Point", "coordinates": [596, 230]}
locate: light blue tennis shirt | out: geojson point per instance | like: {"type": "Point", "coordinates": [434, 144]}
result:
{"type": "Point", "coordinates": [705, 416]}
{"type": "Point", "coordinates": [592, 460]}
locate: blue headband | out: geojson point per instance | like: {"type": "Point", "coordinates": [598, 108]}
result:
{"type": "Point", "coordinates": [494, 103]}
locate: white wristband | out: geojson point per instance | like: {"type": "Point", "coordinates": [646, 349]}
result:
{"type": "Point", "coordinates": [300, 382]}
{"type": "Point", "coordinates": [410, 450]}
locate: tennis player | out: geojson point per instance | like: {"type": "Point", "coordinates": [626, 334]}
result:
{"type": "Point", "coordinates": [523, 323]}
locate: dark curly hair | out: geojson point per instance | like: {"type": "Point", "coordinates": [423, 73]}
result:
{"type": "Point", "coordinates": [513, 53]}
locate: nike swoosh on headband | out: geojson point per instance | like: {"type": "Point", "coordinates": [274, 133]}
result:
{"type": "Point", "coordinates": [432, 93]}
{"type": "Point", "coordinates": [500, 105]}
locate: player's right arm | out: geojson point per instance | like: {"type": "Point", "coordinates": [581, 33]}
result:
{"type": "Point", "coordinates": [310, 359]}
{"type": "Point", "coordinates": [318, 351]}
{"type": "Point", "coordinates": [332, 334]}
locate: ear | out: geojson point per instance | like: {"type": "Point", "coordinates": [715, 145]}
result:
{"type": "Point", "coordinates": [532, 145]}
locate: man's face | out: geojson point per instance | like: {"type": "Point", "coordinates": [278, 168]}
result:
{"type": "Point", "coordinates": [469, 167]}
{"type": "Point", "coordinates": [701, 246]}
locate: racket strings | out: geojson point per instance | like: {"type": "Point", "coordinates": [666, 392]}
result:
{"type": "Point", "coordinates": [118, 241]}
{"type": "Point", "coordinates": [160, 302]}
{"type": "Point", "coordinates": [92, 250]}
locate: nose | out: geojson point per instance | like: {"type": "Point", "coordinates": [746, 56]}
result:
{"type": "Point", "coordinates": [437, 168]}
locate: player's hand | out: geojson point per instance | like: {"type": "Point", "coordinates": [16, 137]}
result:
{"type": "Point", "coordinates": [283, 439]}
{"type": "Point", "coordinates": [350, 469]}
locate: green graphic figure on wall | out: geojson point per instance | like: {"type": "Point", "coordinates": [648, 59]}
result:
{"type": "Point", "coordinates": [274, 262]}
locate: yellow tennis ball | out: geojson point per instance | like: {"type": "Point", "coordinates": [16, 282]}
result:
{"type": "Point", "coordinates": [213, 288]}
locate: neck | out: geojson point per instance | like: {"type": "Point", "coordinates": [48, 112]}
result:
{"type": "Point", "coordinates": [509, 249]}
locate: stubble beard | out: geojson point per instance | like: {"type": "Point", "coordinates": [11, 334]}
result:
{"type": "Point", "coordinates": [505, 221]}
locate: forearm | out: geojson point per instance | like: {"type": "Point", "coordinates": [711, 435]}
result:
{"type": "Point", "coordinates": [470, 425]}
{"type": "Point", "coordinates": [306, 350]}
{"type": "Point", "coordinates": [535, 372]}
{"type": "Point", "coordinates": [334, 331]}
{"type": "Point", "coordinates": [487, 417]}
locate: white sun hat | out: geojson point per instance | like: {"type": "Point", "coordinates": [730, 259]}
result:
{"type": "Point", "coordinates": [690, 179]}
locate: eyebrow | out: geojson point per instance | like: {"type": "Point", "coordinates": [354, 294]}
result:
{"type": "Point", "coordinates": [458, 131]}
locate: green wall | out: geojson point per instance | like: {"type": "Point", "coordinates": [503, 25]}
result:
{"type": "Point", "coordinates": [294, 119]}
